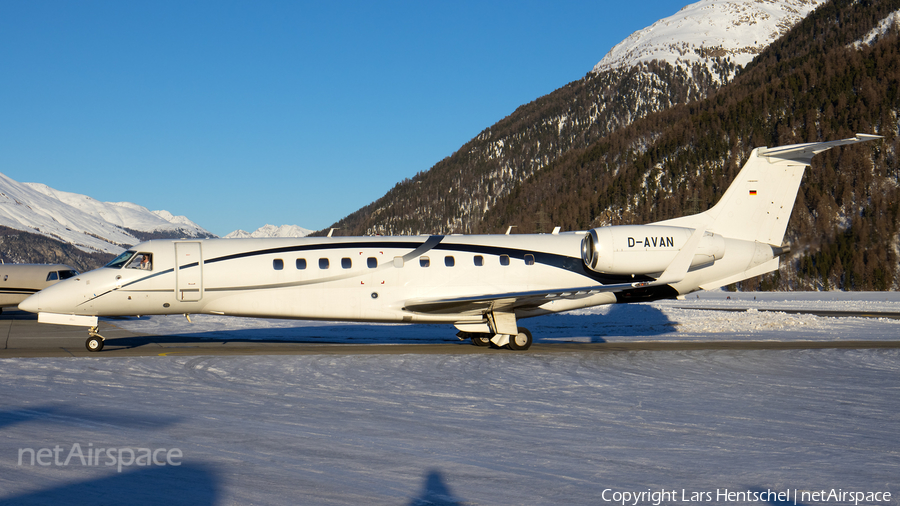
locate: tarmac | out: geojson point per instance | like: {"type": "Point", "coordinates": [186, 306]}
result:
{"type": "Point", "coordinates": [23, 337]}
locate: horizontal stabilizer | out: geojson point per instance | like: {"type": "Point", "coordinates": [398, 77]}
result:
{"type": "Point", "coordinates": [805, 152]}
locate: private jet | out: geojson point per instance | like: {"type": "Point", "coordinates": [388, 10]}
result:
{"type": "Point", "coordinates": [482, 284]}
{"type": "Point", "coordinates": [20, 281]}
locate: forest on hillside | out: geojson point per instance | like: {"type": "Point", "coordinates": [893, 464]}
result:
{"type": "Point", "coordinates": [811, 85]}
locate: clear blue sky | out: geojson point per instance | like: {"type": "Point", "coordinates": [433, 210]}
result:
{"type": "Point", "coordinates": [238, 114]}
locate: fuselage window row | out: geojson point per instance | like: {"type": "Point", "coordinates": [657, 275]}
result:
{"type": "Point", "coordinates": [372, 262]}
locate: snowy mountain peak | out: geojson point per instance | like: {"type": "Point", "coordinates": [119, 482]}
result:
{"type": "Point", "coordinates": [703, 31]}
{"type": "Point", "coordinates": [271, 231]}
{"type": "Point", "coordinates": [80, 220]}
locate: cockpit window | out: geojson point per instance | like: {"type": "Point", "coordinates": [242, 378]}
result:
{"type": "Point", "coordinates": [120, 260]}
{"type": "Point", "coordinates": [52, 276]}
{"type": "Point", "coordinates": [143, 261]}
{"type": "Point", "coordinates": [66, 274]}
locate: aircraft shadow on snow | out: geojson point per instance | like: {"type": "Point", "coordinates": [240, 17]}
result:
{"type": "Point", "coordinates": [435, 492]}
{"type": "Point", "coordinates": [619, 320]}
{"type": "Point", "coordinates": [52, 414]}
{"type": "Point", "coordinates": [194, 484]}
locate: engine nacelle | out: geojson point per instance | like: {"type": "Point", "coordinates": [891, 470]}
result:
{"type": "Point", "coordinates": [644, 249]}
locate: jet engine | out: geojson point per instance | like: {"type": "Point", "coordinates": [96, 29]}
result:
{"type": "Point", "coordinates": [644, 249]}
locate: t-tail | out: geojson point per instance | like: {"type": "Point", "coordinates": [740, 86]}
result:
{"type": "Point", "coordinates": [758, 204]}
{"type": "Point", "coordinates": [740, 237]}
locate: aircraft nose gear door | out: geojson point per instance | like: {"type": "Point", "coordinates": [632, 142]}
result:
{"type": "Point", "coordinates": [188, 271]}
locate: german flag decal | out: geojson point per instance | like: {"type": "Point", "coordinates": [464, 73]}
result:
{"type": "Point", "coordinates": [752, 192]}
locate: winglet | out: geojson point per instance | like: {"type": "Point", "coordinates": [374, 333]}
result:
{"type": "Point", "coordinates": [676, 270]}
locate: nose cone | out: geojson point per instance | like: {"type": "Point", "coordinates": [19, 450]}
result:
{"type": "Point", "coordinates": [32, 304]}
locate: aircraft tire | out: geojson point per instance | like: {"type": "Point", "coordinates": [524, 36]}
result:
{"type": "Point", "coordinates": [521, 341]}
{"type": "Point", "coordinates": [94, 344]}
{"type": "Point", "coordinates": [481, 339]}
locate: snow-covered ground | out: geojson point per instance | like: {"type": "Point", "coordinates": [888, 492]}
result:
{"type": "Point", "coordinates": [493, 428]}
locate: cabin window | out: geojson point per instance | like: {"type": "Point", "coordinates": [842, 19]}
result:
{"type": "Point", "coordinates": [398, 262]}
{"type": "Point", "coordinates": [301, 263]}
{"type": "Point", "coordinates": [142, 261]}
{"type": "Point", "coordinates": [504, 259]}
{"type": "Point", "coordinates": [346, 263]}
{"type": "Point", "coordinates": [52, 276]}
{"type": "Point", "coordinates": [424, 261]}
{"type": "Point", "coordinates": [529, 259]}
{"type": "Point", "coordinates": [372, 262]}
{"type": "Point", "coordinates": [449, 261]}
{"type": "Point", "coordinates": [278, 264]}
{"type": "Point", "coordinates": [323, 263]}
{"type": "Point", "coordinates": [479, 261]}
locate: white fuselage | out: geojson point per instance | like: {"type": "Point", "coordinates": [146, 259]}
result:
{"type": "Point", "coordinates": [351, 278]}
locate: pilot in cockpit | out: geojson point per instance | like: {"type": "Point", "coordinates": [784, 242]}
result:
{"type": "Point", "coordinates": [141, 261]}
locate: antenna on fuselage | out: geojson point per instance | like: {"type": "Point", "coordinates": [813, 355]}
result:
{"type": "Point", "coordinates": [508, 230]}
{"type": "Point", "coordinates": [331, 231]}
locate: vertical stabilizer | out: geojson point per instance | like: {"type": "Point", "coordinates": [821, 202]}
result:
{"type": "Point", "coordinates": [758, 204]}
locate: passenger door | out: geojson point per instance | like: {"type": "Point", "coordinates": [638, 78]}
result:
{"type": "Point", "coordinates": [188, 271]}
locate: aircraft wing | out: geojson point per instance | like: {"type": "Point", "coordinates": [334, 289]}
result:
{"type": "Point", "coordinates": [510, 300]}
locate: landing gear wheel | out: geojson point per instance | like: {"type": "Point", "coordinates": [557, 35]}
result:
{"type": "Point", "coordinates": [94, 343]}
{"type": "Point", "coordinates": [481, 339]}
{"type": "Point", "coordinates": [520, 341]}
{"type": "Point", "coordinates": [95, 340]}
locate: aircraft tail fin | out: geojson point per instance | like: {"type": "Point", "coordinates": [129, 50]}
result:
{"type": "Point", "coordinates": [758, 204]}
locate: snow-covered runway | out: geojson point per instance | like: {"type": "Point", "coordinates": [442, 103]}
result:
{"type": "Point", "coordinates": [501, 428]}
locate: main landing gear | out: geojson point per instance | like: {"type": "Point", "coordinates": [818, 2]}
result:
{"type": "Point", "coordinates": [95, 341]}
{"type": "Point", "coordinates": [521, 341]}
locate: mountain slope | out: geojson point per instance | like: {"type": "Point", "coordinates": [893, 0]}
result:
{"type": "Point", "coordinates": [83, 222]}
{"type": "Point", "coordinates": [820, 81]}
{"type": "Point", "coordinates": [455, 194]}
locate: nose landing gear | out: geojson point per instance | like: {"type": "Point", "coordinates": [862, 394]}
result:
{"type": "Point", "coordinates": [95, 341]}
